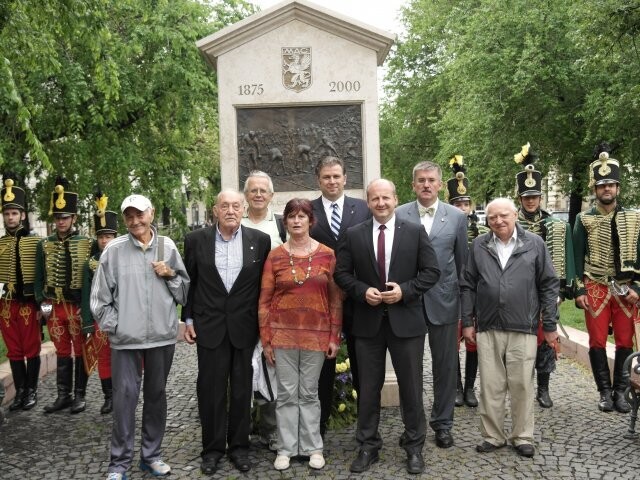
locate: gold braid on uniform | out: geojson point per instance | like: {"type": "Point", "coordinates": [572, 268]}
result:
{"type": "Point", "coordinates": [59, 267]}
{"type": "Point", "coordinates": [474, 229]}
{"type": "Point", "coordinates": [27, 251]}
{"type": "Point", "coordinates": [93, 264]}
{"type": "Point", "coordinates": [80, 250]}
{"type": "Point", "coordinates": [556, 244]}
{"type": "Point", "coordinates": [627, 223]}
{"type": "Point", "coordinates": [599, 264]}
{"type": "Point", "coordinates": [533, 222]}
{"type": "Point", "coordinates": [8, 262]}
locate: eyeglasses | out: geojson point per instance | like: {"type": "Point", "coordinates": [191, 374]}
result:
{"type": "Point", "coordinates": [259, 191]}
{"type": "Point", "coordinates": [236, 207]}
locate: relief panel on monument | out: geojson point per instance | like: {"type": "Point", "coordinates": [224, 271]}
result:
{"type": "Point", "coordinates": [287, 142]}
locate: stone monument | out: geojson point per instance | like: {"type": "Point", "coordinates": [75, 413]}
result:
{"type": "Point", "coordinates": [297, 82]}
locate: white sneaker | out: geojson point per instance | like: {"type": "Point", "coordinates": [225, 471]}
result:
{"type": "Point", "coordinates": [157, 468]}
{"type": "Point", "coordinates": [281, 463]}
{"type": "Point", "coordinates": [116, 476]}
{"type": "Point", "coordinates": [316, 461]}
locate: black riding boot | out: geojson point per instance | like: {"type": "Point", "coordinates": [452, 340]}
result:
{"type": "Point", "coordinates": [619, 385]}
{"type": "Point", "coordinates": [33, 373]}
{"type": "Point", "coordinates": [470, 372]}
{"type": "Point", "coordinates": [64, 378]}
{"type": "Point", "coordinates": [600, 368]}
{"type": "Point", "coordinates": [19, 372]}
{"type": "Point", "coordinates": [459, 389]}
{"type": "Point", "coordinates": [80, 388]}
{"type": "Point", "coordinates": [107, 389]}
{"type": "Point", "coordinates": [543, 397]}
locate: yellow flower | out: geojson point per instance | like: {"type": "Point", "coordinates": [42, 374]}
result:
{"type": "Point", "coordinates": [354, 394]}
{"type": "Point", "coordinates": [342, 407]}
{"type": "Point", "coordinates": [348, 363]}
{"type": "Point", "coordinates": [341, 367]}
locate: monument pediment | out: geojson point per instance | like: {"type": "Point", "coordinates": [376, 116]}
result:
{"type": "Point", "coordinates": [270, 19]}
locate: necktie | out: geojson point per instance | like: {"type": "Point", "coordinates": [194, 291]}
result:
{"type": "Point", "coordinates": [381, 260]}
{"type": "Point", "coordinates": [426, 210]}
{"type": "Point", "coordinates": [335, 220]}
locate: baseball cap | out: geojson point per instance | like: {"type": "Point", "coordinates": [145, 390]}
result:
{"type": "Point", "coordinates": [139, 202]}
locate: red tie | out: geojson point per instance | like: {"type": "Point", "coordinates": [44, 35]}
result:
{"type": "Point", "coordinates": [381, 266]}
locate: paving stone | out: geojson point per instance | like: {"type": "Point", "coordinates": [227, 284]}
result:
{"type": "Point", "coordinates": [573, 439]}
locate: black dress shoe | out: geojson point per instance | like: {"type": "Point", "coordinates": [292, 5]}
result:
{"type": "Point", "coordinates": [526, 450]}
{"type": "Point", "coordinates": [470, 398]}
{"type": "Point", "coordinates": [444, 439]}
{"type": "Point", "coordinates": [209, 466]}
{"type": "Point", "coordinates": [241, 462]}
{"type": "Point", "coordinates": [363, 461]}
{"type": "Point", "coordinates": [486, 447]}
{"type": "Point", "coordinates": [459, 398]}
{"type": "Point", "coordinates": [415, 463]}
{"type": "Point", "coordinates": [544, 399]}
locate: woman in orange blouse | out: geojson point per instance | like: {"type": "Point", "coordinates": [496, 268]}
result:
{"type": "Point", "coordinates": [300, 320]}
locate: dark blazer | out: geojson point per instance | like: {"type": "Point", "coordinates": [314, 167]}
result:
{"type": "Point", "coordinates": [448, 238]}
{"type": "Point", "coordinates": [354, 211]}
{"type": "Point", "coordinates": [413, 265]}
{"type": "Point", "coordinates": [214, 310]}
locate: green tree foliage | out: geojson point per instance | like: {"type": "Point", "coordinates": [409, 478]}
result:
{"type": "Point", "coordinates": [483, 77]}
{"type": "Point", "coordinates": [110, 93]}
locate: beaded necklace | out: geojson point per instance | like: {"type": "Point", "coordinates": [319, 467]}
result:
{"type": "Point", "coordinates": [293, 269]}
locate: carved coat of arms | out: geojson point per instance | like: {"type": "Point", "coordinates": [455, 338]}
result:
{"type": "Point", "coordinates": [296, 68]}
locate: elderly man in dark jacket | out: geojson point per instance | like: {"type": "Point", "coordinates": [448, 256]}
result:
{"type": "Point", "coordinates": [509, 282]}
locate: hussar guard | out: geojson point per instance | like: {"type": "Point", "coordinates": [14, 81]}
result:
{"type": "Point", "coordinates": [97, 348]}
{"type": "Point", "coordinates": [18, 311]}
{"type": "Point", "coordinates": [457, 194]}
{"type": "Point", "coordinates": [606, 243]}
{"type": "Point", "coordinates": [58, 285]}
{"type": "Point", "coordinates": [557, 236]}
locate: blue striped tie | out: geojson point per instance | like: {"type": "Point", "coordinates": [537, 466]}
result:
{"type": "Point", "coordinates": [335, 220]}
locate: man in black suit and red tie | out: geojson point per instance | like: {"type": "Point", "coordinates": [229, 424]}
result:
{"type": "Point", "coordinates": [334, 213]}
{"type": "Point", "coordinates": [225, 264]}
{"type": "Point", "coordinates": [385, 265]}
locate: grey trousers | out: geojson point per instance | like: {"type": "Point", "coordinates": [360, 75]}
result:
{"type": "Point", "coordinates": [298, 406]}
{"type": "Point", "coordinates": [126, 373]}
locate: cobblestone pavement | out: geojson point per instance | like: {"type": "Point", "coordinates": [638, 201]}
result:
{"type": "Point", "coordinates": [574, 439]}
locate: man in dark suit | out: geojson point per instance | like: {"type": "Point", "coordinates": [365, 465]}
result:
{"type": "Point", "coordinates": [447, 229]}
{"type": "Point", "coordinates": [385, 265]}
{"type": "Point", "coordinates": [222, 318]}
{"type": "Point", "coordinates": [334, 213]}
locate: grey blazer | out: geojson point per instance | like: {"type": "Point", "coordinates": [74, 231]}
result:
{"type": "Point", "coordinates": [449, 240]}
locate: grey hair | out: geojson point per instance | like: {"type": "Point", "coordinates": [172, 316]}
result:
{"type": "Point", "coordinates": [228, 190]}
{"type": "Point", "coordinates": [260, 174]}
{"type": "Point", "coordinates": [426, 165]}
{"type": "Point", "coordinates": [501, 200]}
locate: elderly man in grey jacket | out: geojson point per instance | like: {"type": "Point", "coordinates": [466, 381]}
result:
{"type": "Point", "coordinates": [509, 283]}
{"type": "Point", "coordinates": [139, 281]}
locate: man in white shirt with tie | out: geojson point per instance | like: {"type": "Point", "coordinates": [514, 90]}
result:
{"type": "Point", "coordinates": [386, 271]}
{"type": "Point", "coordinates": [447, 229]}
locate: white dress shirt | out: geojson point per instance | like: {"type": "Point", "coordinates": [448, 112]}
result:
{"type": "Point", "coordinates": [388, 241]}
{"type": "Point", "coordinates": [426, 219]}
{"type": "Point", "coordinates": [505, 250]}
